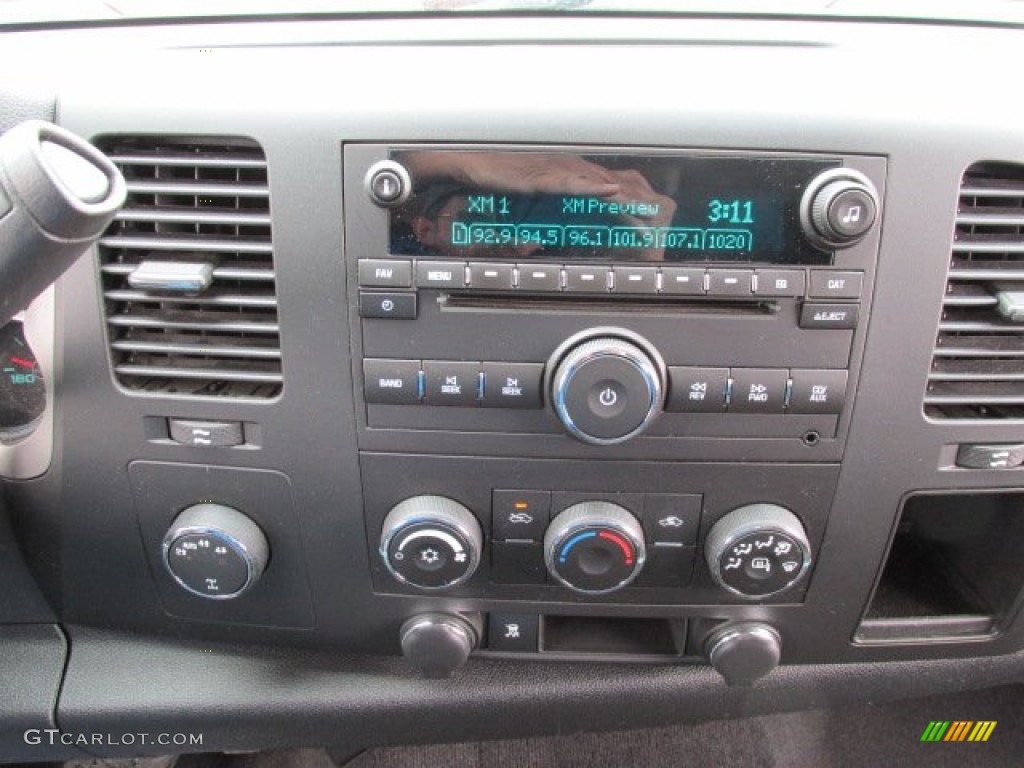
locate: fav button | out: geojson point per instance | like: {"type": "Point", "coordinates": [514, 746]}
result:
{"type": "Point", "coordinates": [385, 273]}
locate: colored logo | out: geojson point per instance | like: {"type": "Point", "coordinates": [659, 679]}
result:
{"type": "Point", "coordinates": [958, 730]}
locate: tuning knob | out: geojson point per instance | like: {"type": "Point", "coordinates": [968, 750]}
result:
{"type": "Point", "coordinates": [215, 552]}
{"type": "Point", "coordinates": [594, 547]}
{"type": "Point", "coordinates": [758, 550]}
{"type": "Point", "coordinates": [607, 385]}
{"type": "Point", "coordinates": [839, 208]}
{"type": "Point", "coordinates": [437, 644]}
{"type": "Point", "coordinates": [431, 542]}
{"type": "Point", "coordinates": [744, 652]}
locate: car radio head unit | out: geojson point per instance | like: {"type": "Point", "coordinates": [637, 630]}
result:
{"type": "Point", "coordinates": [609, 206]}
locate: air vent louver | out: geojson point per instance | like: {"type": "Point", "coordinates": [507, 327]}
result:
{"type": "Point", "coordinates": [194, 204]}
{"type": "Point", "coordinates": [978, 367]}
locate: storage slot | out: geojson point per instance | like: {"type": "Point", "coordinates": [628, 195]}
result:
{"type": "Point", "coordinates": [954, 569]}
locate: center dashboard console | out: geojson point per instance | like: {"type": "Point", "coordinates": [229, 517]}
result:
{"type": "Point", "coordinates": [604, 375]}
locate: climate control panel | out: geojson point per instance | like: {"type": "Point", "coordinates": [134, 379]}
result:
{"type": "Point", "coordinates": [594, 545]}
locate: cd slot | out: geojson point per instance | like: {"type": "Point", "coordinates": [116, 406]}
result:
{"type": "Point", "coordinates": [496, 302]}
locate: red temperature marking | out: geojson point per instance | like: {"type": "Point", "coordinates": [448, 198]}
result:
{"type": "Point", "coordinates": [22, 362]}
{"type": "Point", "coordinates": [627, 550]}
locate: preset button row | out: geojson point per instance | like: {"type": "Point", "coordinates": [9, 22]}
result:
{"type": "Point", "coordinates": [453, 383]}
{"type": "Point", "coordinates": [641, 280]}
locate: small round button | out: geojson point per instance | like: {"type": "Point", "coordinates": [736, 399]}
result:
{"type": "Point", "coordinates": [606, 390]}
{"type": "Point", "coordinates": [388, 183]}
{"type": "Point", "coordinates": [851, 213]}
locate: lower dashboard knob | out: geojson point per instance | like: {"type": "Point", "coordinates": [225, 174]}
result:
{"type": "Point", "coordinates": [607, 385]}
{"type": "Point", "coordinates": [431, 542]}
{"type": "Point", "coordinates": [594, 547]}
{"type": "Point", "coordinates": [758, 550]}
{"type": "Point", "coordinates": [437, 644]}
{"type": "Point", "coordinates": [744, 652]}
{"type": "Point", "coordinates": [215, 552]}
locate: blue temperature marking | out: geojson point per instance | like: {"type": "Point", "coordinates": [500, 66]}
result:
{"type": "Point", "coordinates": [564, 554]}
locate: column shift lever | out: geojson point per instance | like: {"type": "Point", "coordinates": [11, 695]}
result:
{"type": "Point", "coordinates": [58, 194]}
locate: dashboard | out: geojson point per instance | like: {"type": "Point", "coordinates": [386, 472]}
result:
{"type": "Point", "coordinates": [616, 370]}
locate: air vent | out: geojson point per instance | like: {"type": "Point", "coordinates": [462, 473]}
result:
{"type": "Point", "coordinates": [978, 367]}
{"type": "Point", "coordinates": [187, 269]}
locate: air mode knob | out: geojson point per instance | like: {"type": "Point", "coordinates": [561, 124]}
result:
{"type": "Point", "coordinates": [431, 542]}
{"type": "Point", "coordinates": [215, 552]}
{"type": "Point", "coordinates": [607, 385]}
{"type": "Point", "coordinates": [839, 208]}
{"type": "Point", "coordinates": [758, 550]}
{"type": "Point", "coordinates": [594, 547]}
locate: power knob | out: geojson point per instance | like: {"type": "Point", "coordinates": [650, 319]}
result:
{"type": "Point", "coordinates": [431, 542]}
{"type": "Point", "coordinates": [839, 208]}
{"type": "Point", "coordinates": [758, 550]}
{"type": "Point", "coordinates": [607, 385]}
{"type": "Point", "coordinates": [215, 552]}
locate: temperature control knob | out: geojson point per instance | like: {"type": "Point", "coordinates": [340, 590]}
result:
{"type": "Point", "coordinates": [839, 208]}
{"type": "Point", "coordinates": [594, 547]}
{"type": "Point", "coordinates": [431, 542]}
{"type": "Point", "coordinates": [607, 385]}
{"type": "Point", "coordinates": [215, 551]}
{"type": "Point", "coordinates": [758, 550]}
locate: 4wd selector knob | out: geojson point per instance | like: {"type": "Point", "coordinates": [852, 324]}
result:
{"type": "Point", "coordinates": [215, 551]}
{"type": "Point", "coordinates": [607, 385]}
{"type": "Point", "coordinates": [431, 542]}
{"type": "Point", "coordinates": [594, 547]}
{"type": "Point", "coordinates": [758, 550]}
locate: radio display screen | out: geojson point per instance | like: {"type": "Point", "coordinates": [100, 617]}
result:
{"type": "Point", "coordinates": [479, 204]}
